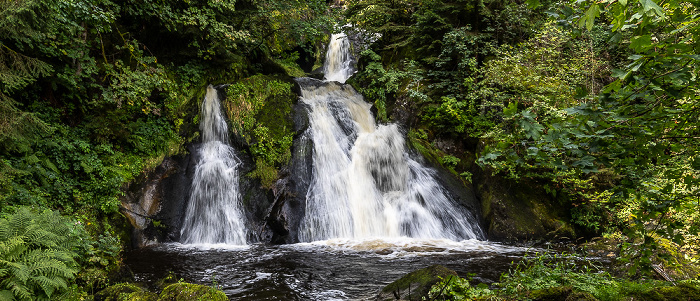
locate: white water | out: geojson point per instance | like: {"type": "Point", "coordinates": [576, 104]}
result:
{"type": "Point", "coordinates": [213, 214]}
{"type": "Point", "coordinates": [338, 65]}
{"type": "Point", "coordinates": [365, 184]}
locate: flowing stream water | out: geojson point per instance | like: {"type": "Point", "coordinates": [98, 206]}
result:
{"type": "Point", "coordinates": [373, 212]}
{"type": "Point", "coordinates": [213, 212]}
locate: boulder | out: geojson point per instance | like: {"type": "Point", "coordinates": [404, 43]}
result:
{"type": "Point", "coordinates": [125, 292]}
{"type": "Point", "coordinates": [415, 285]}
{"type": "Point", "coordinates": [519, 211]}
{"type": "Point", "coordinates": [191, 292]}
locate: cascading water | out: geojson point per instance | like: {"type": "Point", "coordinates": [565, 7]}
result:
{"type": "Point", "coordinates": [338, 65]}
{"type": "Point", "coordinates": [365, 184]}
{"type": "Point", "coordinates": [213, 213]}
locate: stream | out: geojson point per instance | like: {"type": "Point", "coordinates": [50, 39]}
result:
{"type": "Point", "coordinates": [371, 213]}
{"type": "Point", "coordinates": [335, 269]}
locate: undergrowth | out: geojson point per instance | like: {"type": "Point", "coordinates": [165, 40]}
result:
{"type": "Point", "coordinates": [551, 275]}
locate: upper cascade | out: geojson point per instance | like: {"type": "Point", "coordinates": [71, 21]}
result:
{"type": "Point", "coordinates": [338, 66]}
{"type": "Point", "coordinates": [365, 183]}
{"type": "Point", "coordinates": [214, 212]}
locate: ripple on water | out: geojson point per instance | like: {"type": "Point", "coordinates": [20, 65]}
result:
{"type": "Point", "coordinates": [337, 269]}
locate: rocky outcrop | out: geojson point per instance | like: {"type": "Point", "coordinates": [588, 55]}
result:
{"type": "Point", "coordinates": [284, 216]}
{"type": "Point", "coordinates": [519, 211]}
{"type": "Point", "coordinates": [415, 285]}
{"type": "Point", "coordinates": [154, 203]}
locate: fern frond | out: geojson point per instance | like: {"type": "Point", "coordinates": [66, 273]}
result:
{"type": "Point", "coordinates": [38, 236]}
{"type": "Point", "coordinates": [4, 230]}
{"type": "Point", "coordinates": [51, 267]}
{"type": "Point", "coordinates": [12, 249]}
{"type": "Point", "coordinates": [18, 70]}
{"type": "Point", "coordinates": [37, 254]}
{"type": "Point", "coordinates": [19, 289]}
{"type": "Point", "coordinates": [19, 222]}
{"type": "Point", "coordinates": [46, 284]}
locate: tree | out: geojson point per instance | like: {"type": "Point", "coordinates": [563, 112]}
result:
{"type": "Point", "coordinates": [644, 125]}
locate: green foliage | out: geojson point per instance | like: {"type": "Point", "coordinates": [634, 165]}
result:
{"type": "Point", "coordinates": [126, 292]}
{"type": "Point", "coordinates": [428, 53]}
{"type": "Point", "coordinates": [379, 84]}
{"type": "Point", "coordinates": [457, 289]}
{"type": "Point", "coordinates": [92, 92]}
{"type": "Point", "coordinates": [560, 276]}
{"type": "Point", "coordinates": [642, 125]}
{"type": "Point", "coordinates": [38, 253]}
{"type": "Point", "coordinates": [259, 110]}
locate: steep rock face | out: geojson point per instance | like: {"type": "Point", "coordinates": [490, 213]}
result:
{"type": "Point", "coordinates": [256, 199]}
{"type": "Point", "coordinates": [282, 220]}
{"type": "Point", "coordinates": [519, 211]}
{"type": "Point", "coordinates": [154, 203]}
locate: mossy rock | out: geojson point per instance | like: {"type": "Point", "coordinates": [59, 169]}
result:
{"type": "Point", "coordinates": [166, 281]}
{"type": "Point", "coordinates": [681, 292]}
{"type": "Point", "coordinates": [581, 296]}
{"type": "Point", "coordinates": [191, 292]}
{"type": "Point", "coordinates": [519, 211]}
{"type": "Point", "coordinates": [559, 293]}
{"type": "Point", "coordinates": [125, 292]}
{"type": "Point", "coordinates": [416, 284]}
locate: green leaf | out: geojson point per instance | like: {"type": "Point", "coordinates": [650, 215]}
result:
{"type": "Point", "coordinates": [649, 5]}
{"type": "Point", "coordinates": [641, 43]}
{"type": "Point", "coordinates": [589, 17]}
{"type": "Point", "coordinates": [533, 4]}
{"type": "Point", "coordinates": [511, 109]}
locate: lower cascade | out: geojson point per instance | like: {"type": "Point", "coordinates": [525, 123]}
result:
{"type": "Point", "coordinates": [213, 213]}
{"type": "Point", "coordinates": [365, 184]}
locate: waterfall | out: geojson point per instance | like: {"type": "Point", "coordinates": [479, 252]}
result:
{"type": "Point", "coordinates": [338, 65]}
{"type": "Point", "coordinates": [213, 212]}
{"type": "Point", "coordinates": [365, 183]}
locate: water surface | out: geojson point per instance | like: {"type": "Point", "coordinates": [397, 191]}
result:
{"type": "Point", "coordinates": [335, 269]}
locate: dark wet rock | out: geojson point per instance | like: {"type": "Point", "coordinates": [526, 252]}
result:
{"type": "Point", "coordinates": [519, 211]}
{"type": "Point", "coordinates": [317, 73]}
{"type": "Point", "coordinates": [301, 119]}
{"type": "Point", "coordinates": [255, 198]}
{"type": "Point", "coordinates": [285, 215]}
{"type": "Point", "coordinates": [144, 202]}
{"type": "Point", "coordinates": [415, 285]}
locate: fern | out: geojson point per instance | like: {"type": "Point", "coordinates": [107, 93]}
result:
{"type": "Point", "coordinates": [37, 254]}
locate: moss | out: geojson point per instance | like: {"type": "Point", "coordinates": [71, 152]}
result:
{"type": "Point", "coordinates": [166, 281]}
{"type": "Point", "coordinates": [518, 211]}
{"type": "Point", "coordinates": [416, 284]}
{"type": "Point", "coordinates": [676, 264]}
{"type": "Point", "coordinates": [682, 292]}
{"type": "Point", "coordinates": [259, 110]}
{"type": "Point", "coordinates": [125, 292]}
{"type": "Point", "coordinates": [559, 293]}
{"type": "Point", "coordinates": [191, 292]}
{"type": "Point", "coordinates": [581, 296]}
